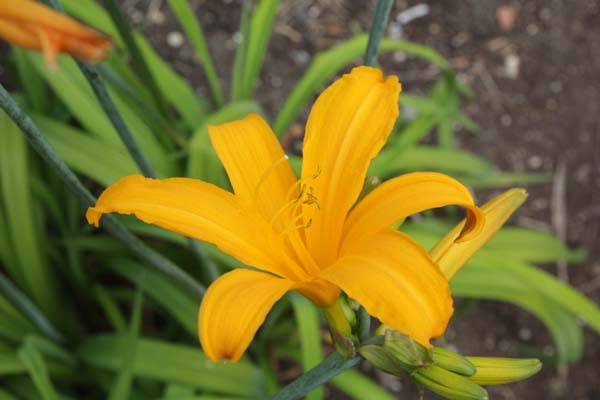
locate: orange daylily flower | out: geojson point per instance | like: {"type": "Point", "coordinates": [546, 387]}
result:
{"type": "Point", "coordinates": [32, 25]}
{"type": "Point", "coordinates": [307, 234]}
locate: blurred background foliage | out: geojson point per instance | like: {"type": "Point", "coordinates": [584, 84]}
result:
{"type": "Point", "coordinates": [81, 317]}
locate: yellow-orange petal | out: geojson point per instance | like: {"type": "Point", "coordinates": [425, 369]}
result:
{"type": "Point", "coordinates": [233, 309]}
{"type": "Point", "coordinates": [257, 167]}
{"type": "Point", "coordinates": [451, 256]}
{"type": "Point", "coordinates": [196, 209]}
{"type": "Point", "coordinates": [409, 194]}
{"type": "Point", "coordinates": [347, 127]}
{"type": "Point", "coordinates": [396, 281]}
{"type": "Point", "coordinates": [32, 25]}
{"type": "Point", "coordinates": [319, 291]}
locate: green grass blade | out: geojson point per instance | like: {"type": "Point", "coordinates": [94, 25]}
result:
{"type": "Point", "coordinates": [10, 363]}
{"type": "Point", "coordinates": [32, 273]}
{"type": "Point", "coordinates": [138, 61]}
{"type": "Point", "coordinates": [203, 162]}
{"type": "Point", "coordinates": [10, 292]}
{"type": "Point", "coordinates": [261, 25]}
{"type": "Point", "coordinates": [191, 26]}
{"type": "Point", "coordinates": [311, 354]}
{"type": "Point", "coordinates": [121, 388]}
{"type": "Point", "coordinates": [428, 158]}
{"type": "Point", "coordinates": [36, 367]}
{"type": "Point", "coordinates": [241, 52]}
{"type": "Point", "coordinates": [86, 154]}
{"type": "Point", "coordinates": [358, 386]}
{"type": "Point", "coordinates": [560, 292]}
{"type": "Point", "coordinates": [14, 326]}
{"type": "Point", "coordinates": [4, 395]}
{"type": "Point", "coordinates": [328, 63]}
{"type": "Point", "coordinates": [171, 363]}
{"type": "Point", "coordinates": [177, 303]}
{"type": "Point", "coordinates": [34, 87]}
{"type": "Point", "coordinates": [531, 245]}
{"type": "Point", "coordinates": [111, 309]}
{"type": "Point", "coordinates": [486, 282]}
{"type": "Point", "coordinates": [504, 179]}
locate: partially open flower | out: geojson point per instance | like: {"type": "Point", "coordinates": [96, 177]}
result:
{"type": "Point", "coordinates": [31, 25]}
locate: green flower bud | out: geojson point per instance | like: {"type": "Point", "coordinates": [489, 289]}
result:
{"type": "Point", "coordinates": [398, 354]}
{"type": "Point", "coordinates": [449, 385]}
{"type": "Point", "coordinates": [498, 371]}
{"type": "Point", "coordinates": [452, 361]}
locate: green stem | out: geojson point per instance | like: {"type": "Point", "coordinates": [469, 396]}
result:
{"type": "Point", "coordinates": [115, 117]}
{"type": "Point", "coordinates": [382, 13]}
{"type": "Point", "coordinates": [330, 367]}
{"type": "Point", "coordinates": [136, 55]}
{"type": "Point", "coordinates": [27, 307]}
{"type": "Point", "coordinates": [49, 155]}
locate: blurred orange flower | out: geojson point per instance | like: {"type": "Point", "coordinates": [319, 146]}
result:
{"type": "Point", "coordinates": [29, 24]}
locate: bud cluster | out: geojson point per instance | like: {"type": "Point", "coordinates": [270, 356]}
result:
{"type": "Point", "coordinates": [442, 371]}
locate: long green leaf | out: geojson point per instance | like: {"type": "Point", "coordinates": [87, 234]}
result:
{"type": "Point", "coordinates": [171, 363]}
{"type": "Point", "coordinates": [13, 325]}
{"type": "Point", "coordinates": [261, 25]}
{"type": "Point", "coordinates": [485, 282]}
{"type": "Point", "coordinates": [193, 30]}
{"type": "Point", "coordinates": [121, 388]}
{"type": "Point", "coordinates": [32, 273]}
{"type": "Point", "coordinates": [86, 154]}
{"type": "Point", "coordinates": [178, 304]}
{"type": "Point", "coordinates": [36, 367]}
{"type": "Point", "coordinates": [358, 386]}
{"type": "Point", "coordinates": [429, 158]}
{"type": "Point", "coordinates": [241, 52]}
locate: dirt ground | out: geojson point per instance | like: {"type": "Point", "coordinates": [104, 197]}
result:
{"type": "Point", "coordinates": [535, 68]}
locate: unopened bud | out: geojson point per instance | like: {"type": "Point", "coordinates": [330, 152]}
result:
{"type": "Point", "coordinates": [449, 385]}
{"type": "Point", "coordinates": [498, 371]}
{"type": "Point", "coordinates": [452, 361]}
{"type": "Point", "coordinates": [398, 354]}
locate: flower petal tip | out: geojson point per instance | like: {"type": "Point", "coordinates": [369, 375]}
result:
{"type": "Point", "coordinates": [474, 225]}
{"type": "Point", "coordinates": [93, 216]}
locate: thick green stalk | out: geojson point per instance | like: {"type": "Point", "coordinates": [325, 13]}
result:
{"type": "Point", "coordinates": [332, 366]}
{"type": "Point", "coordinates": [27, 307]}
{"type": "Point", "coordinates": [45, 150]}
{"type": "Point", "coordinates": [115, 117]}
{"type": "Point", "coordinates": [136, 55]}
{"type": "Point", "coordinates": [382, 13]}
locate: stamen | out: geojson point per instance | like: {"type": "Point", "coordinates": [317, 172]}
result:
{"type": "Point", "coordinates": [266, 174]}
